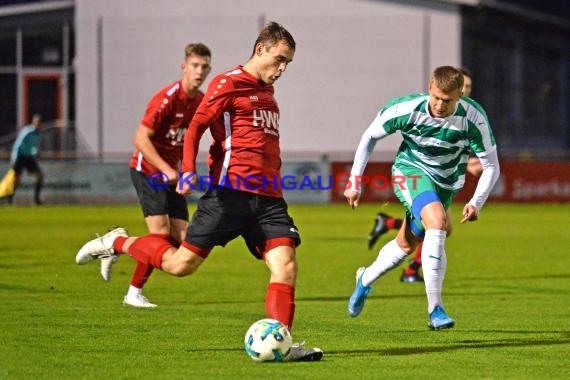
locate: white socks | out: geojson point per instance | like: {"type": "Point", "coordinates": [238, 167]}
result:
{"type": "Point", "coordinates": [434, 263]}
{"type": "Point", "coordinates": [389, 257]}
{"type": "Point", "coordinates": [133, 291]}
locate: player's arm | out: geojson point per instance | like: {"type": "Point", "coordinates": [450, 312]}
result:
{"type": "Point", "coordinates": [474, 166]}
{"type": "Point", "coordinates": [143, 142]}
{"type": "Point", "coordinates": [371, 135]}
{"type": "Point", "coordinates": [188, 180]}
{"type": "Point", "coordinates": [16, 147]}
{"type": "Point", "coordinates": [482, 142]}
{"type": "Point", "coordinates": [217, 99]}
{"type": "Point", "coordinates": [491, 171]}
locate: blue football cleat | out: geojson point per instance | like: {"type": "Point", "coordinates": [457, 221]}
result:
{"type": "Point", "coordinates": [358, 297]}
{"type": "Point", "coordinates": [439, 320]}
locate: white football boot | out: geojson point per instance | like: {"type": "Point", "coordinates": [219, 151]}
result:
{"type": "Point", "coordinates": [106, 266]}
{"type": "Point", "coordinates": [100, 247]}
{"type": "Point", "coordinates": [137, 301]}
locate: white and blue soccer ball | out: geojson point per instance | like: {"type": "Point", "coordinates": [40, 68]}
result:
{"type": "Point", "coordinates": [268, 340]}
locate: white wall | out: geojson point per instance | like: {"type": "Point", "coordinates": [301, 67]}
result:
{"type": "Point", "coordinates": [352, 56]}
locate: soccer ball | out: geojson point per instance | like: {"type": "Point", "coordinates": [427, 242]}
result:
{"type": "Point", "coordinates": [268, 340]}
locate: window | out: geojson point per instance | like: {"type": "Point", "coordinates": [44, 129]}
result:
{"type": "Point", "coordinates": [42, 46]}
{"type": "Point", "coordinates": [520, 75]}
{"type": "Point", "coordinates": [7, 47]}
{"type": "Point", "coordinates": [8, 104]}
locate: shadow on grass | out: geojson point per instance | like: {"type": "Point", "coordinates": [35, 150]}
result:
{"type": "Point", "coordinates": [341, 298]}
{"type": "Point", "coordinates": [404, 351]}
{"type": "Point", "coordinates": [546, 276]}
{"type": "Point", "coordinates": [397, 296]}
{"type": "Point", "coordinates": [462, 345]}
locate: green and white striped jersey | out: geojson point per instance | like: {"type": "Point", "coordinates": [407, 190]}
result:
{"type": "Point", "coordinates": [438, 146]}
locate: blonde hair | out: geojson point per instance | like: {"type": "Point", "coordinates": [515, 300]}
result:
{"type": "Point", "coordinates": [447, 78]}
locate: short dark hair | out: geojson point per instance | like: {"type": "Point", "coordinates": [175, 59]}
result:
{"type": "Point", "coordinates": [197, 49]}
{"type": "Point", "coordinates": [271, 34]}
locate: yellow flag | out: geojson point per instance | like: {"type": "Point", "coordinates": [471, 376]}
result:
{"type": "Point", "coordinates": [7, 184]}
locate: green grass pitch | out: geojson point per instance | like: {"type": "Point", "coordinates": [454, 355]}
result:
{"type": "Point", "coordinates": [507, 287]}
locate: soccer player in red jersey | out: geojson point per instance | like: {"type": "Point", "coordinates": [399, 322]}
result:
{"type": "Point", "coordinates": [244, 197]}
{"type": "Point", "coordinates": [159, 140]}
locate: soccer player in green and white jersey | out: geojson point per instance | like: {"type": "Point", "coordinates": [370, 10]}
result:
{"type": "Point", "coordinates": [384, 222]}
{"type": "Point", "coordinates": [438, 129]}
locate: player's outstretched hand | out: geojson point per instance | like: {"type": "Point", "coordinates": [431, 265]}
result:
{"type": "Point", "coordinates": [352, 198]}
{"type": "Point", "coordinates": [469, 214]}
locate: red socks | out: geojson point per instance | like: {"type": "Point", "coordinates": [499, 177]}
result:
{"type": "Point", "coordinates": [149, 249]}
{"type": "Point", "coordinates": [141, 274]}
{"type": "Point", "coordinates": [118, 244]}
{"type": "Point", "coordinates": [280, 303]}
{"type": "Point", "coordinates": [393, 223]}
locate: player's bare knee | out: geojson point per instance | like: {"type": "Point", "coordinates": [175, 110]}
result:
{"type": "Point", "coordinates": [158, 224]}
{"type": "Point", "coordinates": [181, 270]}
{"type": "Point", "coordinates": [282, 264]}
{"type": "Point", "coordinates": [284, 271]}
{"type": "Point", "coordinates": [407, 245]}
{"type": "Point", "coordinates": [436, 223]}
{"type": "Point", "coordinates": [290, 269]}
{"type": "Point", "coordinates": [181, 262]}
{"type": "Point", "coordinates": [434, 216]}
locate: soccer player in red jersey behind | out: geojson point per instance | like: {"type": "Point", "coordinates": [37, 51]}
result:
{"type": "Point", "coordinates": [245, 198]}
{"type": "Point", "coordinates": [159, 140]}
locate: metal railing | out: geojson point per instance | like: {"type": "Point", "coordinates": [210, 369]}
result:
{"type": "Point", "coordinates": [58, 142]}
{"type": "Point", "coordinates": [66, 143]}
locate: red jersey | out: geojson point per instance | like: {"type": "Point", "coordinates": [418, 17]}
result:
{"type": "Point", "coordinates": [243, 118]}
{"type": "Point", "coordinates": [167, 114]}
